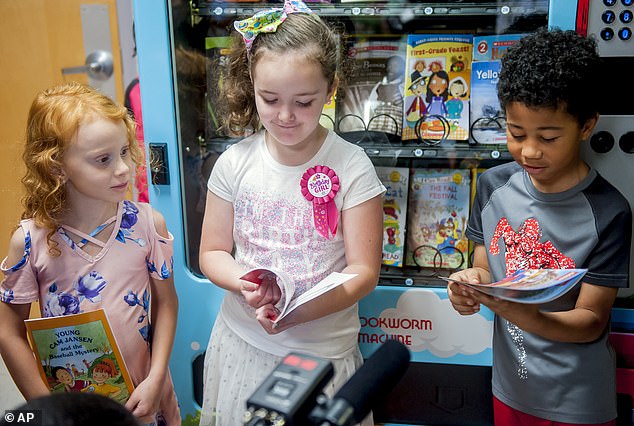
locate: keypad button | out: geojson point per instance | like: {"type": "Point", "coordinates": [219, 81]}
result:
{"type": "Point", "coordinates": [607, 34]}
{"type": "Point", "coordinates": [608, 17]}
{"type": "Point", "coordinates": [626, 16]}
{"type": "Point", "coordinates": [627, 2]}
{"type": "Point", "coordinates": [609, 2]}
{"type": "Point", "coordinates": [625, 33]}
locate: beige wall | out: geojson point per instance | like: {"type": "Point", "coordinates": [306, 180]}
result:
{"type": "Point", "coordinates": [37, 39]}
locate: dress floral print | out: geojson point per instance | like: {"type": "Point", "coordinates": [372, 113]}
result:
{"type": "Point", "coordinates": [117, 278]}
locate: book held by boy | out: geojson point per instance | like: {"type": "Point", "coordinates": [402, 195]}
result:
{"type": "Point", "coordinates": [530, 286]}
{"type": "Point", "coordinates": [78, 353]}
{"type": "Point", "coordinates": [289, 301]}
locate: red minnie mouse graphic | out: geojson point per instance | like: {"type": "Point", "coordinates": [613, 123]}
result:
{"type": "Point", "coordinates": [524, 249]}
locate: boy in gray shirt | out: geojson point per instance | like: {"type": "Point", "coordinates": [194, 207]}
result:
{"type": "Point", "coordinates": [549, 209]}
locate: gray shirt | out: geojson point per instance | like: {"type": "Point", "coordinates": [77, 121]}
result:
{"type": "Point", "coordinates": [588, 226]}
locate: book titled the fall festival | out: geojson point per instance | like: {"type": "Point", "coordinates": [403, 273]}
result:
{"type": "Point", "coordinates": [78, 353]}
{"type": "Point", "coordinates": [438, 209]}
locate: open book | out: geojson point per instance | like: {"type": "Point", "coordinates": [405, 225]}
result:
{"type": "Point", "coordinates": [289, 301]}
{"type": "Point", "coordinates": [530, 285]}
{"type": "Point", "coordinates": [78, 353]}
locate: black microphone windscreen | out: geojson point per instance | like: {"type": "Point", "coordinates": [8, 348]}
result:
{"type": "Point", "coordinates": [375, 378]}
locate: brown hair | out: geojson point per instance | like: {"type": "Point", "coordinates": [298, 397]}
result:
{"type": "Point", "coordinates": [300, 33]}
{"type": "Point", "coordinates": [54, 119]}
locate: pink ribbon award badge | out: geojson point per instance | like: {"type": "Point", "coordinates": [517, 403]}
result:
{"type": "Point", "coordinates": [319, 185]}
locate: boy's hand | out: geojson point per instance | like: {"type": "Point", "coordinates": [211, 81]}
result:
{"type": "Point", "coordinates": [268, 292]}
{"type": "Point", "coordinates": [463, 298]}
{"type": "Point", "coordinates": [145, 399]}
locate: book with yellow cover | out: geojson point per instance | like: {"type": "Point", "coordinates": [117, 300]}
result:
{"type": "Point", "coordinates": [437, 87]}
{"type": "Point", "coordinates": [78, 353]}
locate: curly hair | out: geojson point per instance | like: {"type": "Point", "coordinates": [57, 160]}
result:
{"type": "Point", "coordinates": [53, 121]}
{"type": "Point", "coordinates": [552, 69]}
{"type": "Point", "coordinates": [301, 33]}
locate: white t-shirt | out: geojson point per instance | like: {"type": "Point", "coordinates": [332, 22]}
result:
{"type": "Point", "coordinates": [274, 228]}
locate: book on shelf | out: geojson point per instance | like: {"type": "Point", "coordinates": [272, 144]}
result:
{"type": "Point", "coordinates": [437, 87]}
{"type": "Point", "coordinates": [328, 117]}
{"type": "Point", "coordinates": [438, 209]}
{"type": "Point", "coordinates": [395, 180]}
{"type": "Point", "coordinates": [289, 300]}
{"type": "Point", "coordinates": [373, 96]}
{"type": "Point", "coordinates": [79, 353]}
{"type": "Point", "coordinates": [475, 174]}
{"type": "Point", "coordinates": [217, 51]}
{"type": "Point", "coordinates": [530, 286]}
{"type": "Point", "coordinates": [487, 122]}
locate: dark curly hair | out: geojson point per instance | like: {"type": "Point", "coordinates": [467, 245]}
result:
{"type": "Point", "coordinates": [553, 69]}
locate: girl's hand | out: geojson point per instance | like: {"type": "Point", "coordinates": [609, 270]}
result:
{"type": "Point", "coordinates": [268, 292]}
{"type": "Point", "coordinates": [464, 299]}
{"type": "Point", "coordinates": [265, 315]}
{"type": "Point", "coordinates": [145, 399]}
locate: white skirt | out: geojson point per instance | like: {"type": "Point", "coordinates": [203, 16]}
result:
{"type": "Point", "coordinates": [234, 369]}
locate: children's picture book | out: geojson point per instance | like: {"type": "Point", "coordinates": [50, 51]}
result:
{"type": "Point", "coordinates": [475, 174]}
{"type": "Point", "coordinates": [289, 301]}
{"type": "Point", "coordinates": [438, 209]}
{"type": "Point", "coordinates": [395, 180]}
{"type": "Point", "coordinates": [487, 119]}
{"type": "Point", "coordinates": [78, 353]}
{"type": "Point", "coordinates": [530, 286]}
{"type": "Point", "coordinates": [217, 51]}
{"type": "Point", "coordinates": [437, 87]}
{"type": "Point", "coordinates": [328, 117]}
{"type": "Point", "coordinates": [373, 96]}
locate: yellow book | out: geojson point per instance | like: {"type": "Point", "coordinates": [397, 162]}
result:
{"type": "Point", "coordinates": [78, 353]}
{"type": "Point", "coordinates": [437, 87]}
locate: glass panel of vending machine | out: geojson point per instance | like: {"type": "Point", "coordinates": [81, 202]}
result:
{"type": "Point", "coordinates": [420, 99]}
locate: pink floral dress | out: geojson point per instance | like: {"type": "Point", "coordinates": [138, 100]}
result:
{"type": "Point", "coordinates": [117, 279]}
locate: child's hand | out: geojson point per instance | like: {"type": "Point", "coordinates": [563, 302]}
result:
{"type": "Point", "coordinates": [145, 399]}
{"type": "Point", "coordinates": [268, 292]}
{"type": "Point", "coordinates": [265, 315]}
{"type": "Point", "coordinates": [462, 298]}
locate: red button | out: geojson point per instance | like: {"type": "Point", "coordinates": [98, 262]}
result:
{"type": "Point", "coordinates": [308, 364]}
{"type": "Point", "coordinates": [292, 360]}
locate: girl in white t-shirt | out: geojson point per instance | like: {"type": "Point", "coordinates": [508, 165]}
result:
{"type": "Point", "coordinates": [262, 211]}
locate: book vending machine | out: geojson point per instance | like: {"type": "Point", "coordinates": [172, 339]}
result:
{"type": "Point", "coordinates": [427, 149]}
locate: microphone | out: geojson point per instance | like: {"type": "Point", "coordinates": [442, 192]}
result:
{"type": "Point", "coordinates": [371, 383]}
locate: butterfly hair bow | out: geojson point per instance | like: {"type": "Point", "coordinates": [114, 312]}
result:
{"type": "Point", "coordinates": [267, 21]}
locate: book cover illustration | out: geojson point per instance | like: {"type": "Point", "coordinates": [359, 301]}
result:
{"type": "Point", "coordinates": [373, 97]}
{"type": "Point", "coordinates": [217, 51]}
{"type": "Point", "coordinates": [531, 286]}
{"type": "Point", "coordinates": [437, 87]}
{"type": "Point", "coordinates": [438, 210]}
{"type": "Point", "coordinates": [289, 301]}
{"type": "Point", "coordinates": [475, 174]}
{"type": "Point", "coordinates": [487, 119]}
{"type": "Point", "coordinates": [78, 353]}
{"type": "Point", "coordinates": [396, 181]}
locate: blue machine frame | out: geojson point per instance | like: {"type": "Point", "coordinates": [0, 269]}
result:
{"type": "Point", "coordinates": [199, 300]}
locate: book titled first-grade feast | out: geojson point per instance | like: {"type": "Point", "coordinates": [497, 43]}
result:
{"type": "Point", "coordinates": [78, 353]}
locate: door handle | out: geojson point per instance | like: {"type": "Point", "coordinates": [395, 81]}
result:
{"type": "Point", "coordinates": [98, 66]}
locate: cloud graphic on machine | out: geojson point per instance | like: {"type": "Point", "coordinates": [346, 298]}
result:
{"type": "Point", "coordinates": [435, 326]}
